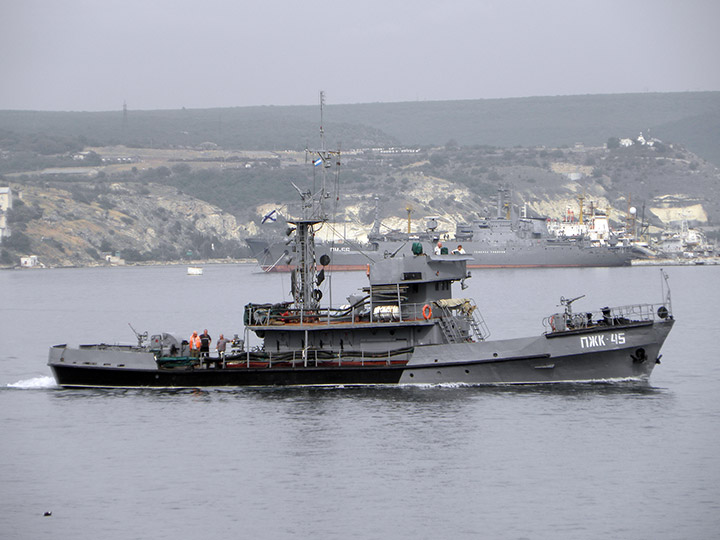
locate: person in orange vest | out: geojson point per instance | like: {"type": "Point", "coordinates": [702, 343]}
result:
{"type": "Point", "coordinates": [194, 343]}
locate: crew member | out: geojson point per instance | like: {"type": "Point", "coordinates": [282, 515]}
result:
{"type": "Point", "coordinates": [220, 347]}
{"type": "Point", "coordinates": [194, 343]}
{"type": "Point", "coordinates": [205, 340]}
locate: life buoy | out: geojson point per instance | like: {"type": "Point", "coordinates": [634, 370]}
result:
{"type": "Point", "coordinates": [427, 311]}
{"type": "Point", "coordinates": [552, 322]}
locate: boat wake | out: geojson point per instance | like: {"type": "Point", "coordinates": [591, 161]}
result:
{"type": "Point", "coordinates": [34, 383]}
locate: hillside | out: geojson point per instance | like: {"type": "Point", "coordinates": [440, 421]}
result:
{"type": "Point", "coordinates": [184, 204]}
{"type": "Point", "coordinates": [81, 224]}
{"type": "Point", "coordinates": [688, 118]}
{"type": "Point", "coordinates": [186, 184]}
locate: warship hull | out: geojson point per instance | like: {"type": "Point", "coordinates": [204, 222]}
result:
{"type": "Point", "coordinates": [542, 254]}
{"type": "Point", "coordinates": [627, 352]}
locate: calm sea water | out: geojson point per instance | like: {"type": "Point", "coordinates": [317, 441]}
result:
{"type": "Point", "coordinates": [569, 461]}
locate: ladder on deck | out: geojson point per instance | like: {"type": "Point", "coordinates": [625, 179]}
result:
{"type": "Point", "coordinates": [454, 333]}
{"type": "Point", "coordinates": [477, 322]}
{"type": "Point", "coordinates": [450, 328]}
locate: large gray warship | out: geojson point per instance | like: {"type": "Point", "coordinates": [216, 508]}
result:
{"type": "Point", "coordinates": [508, 240]}
{"type": "Point", "coordinates": [403, 327]}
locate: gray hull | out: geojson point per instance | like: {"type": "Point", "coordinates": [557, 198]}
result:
{"type": "Point", "coordinates": [540, 254]}
{"type": "Point", "coordinates": [575, 356]}
{"type": "Point", "coordinates": [545, 359]}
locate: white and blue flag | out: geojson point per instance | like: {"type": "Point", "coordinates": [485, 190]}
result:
{"type": "Point", "coordinates": [270, 216]}
{"type": "Point", "coordinates": [318, 162]}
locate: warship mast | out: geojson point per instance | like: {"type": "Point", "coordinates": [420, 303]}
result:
{"type": "Point", "coordinates": [305, 277]}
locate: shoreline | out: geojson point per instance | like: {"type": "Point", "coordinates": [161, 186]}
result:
{"type": "Point", "coordinates": [141, 263]}
{"type": "Point", "coordinates": [697, 261]}
{"type": "Point", "coordinates": [680, 261]}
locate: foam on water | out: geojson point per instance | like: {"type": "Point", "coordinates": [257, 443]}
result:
{"type": "Point", "coordinates": [34, 383]}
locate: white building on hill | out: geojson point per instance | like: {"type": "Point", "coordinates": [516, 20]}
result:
{"type": "Point", "coordinates": [5, 205]}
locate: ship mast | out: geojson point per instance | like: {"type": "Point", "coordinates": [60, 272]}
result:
{"type": "Point", "coordinates": [376, 222]}
{"type": "Point", "coordinates": [305, 277]}
{"type": "Point", "coordinates": [305, 296]}
{"type": "Point", "coordinates": [504, 203]}
{"type": "Point", "coordinates": [581, 200]}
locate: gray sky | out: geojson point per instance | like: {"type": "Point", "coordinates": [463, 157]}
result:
{"type": "Point", "coordinates": [166, 54]}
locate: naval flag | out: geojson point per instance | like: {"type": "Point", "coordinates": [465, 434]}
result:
{"type": "Point", "coordinates": [269, 217]}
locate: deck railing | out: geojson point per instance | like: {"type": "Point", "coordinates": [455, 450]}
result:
{"type": "Point", "coordinates": [264, 315]}
{"type": "Point", "coordinates": [281, 314]}
{"type": "Point", "coordinates": [607, 316]}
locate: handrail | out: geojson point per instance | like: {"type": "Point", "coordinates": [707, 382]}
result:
{"type": "Point", "coordinates": [269, 316]}
{"type": "Point", "coordinates": [607, 316]}
{"type": "Point", "coordinates": [317, 357]}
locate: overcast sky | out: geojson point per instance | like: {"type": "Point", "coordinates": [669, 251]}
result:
{"type": "Point", "coordinates": [167, 54]}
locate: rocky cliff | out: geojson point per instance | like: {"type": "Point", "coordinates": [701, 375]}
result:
{"type": "Point", "coordinates": [185, 205]}
{"type": "Point", "coordinates": [84, 225]}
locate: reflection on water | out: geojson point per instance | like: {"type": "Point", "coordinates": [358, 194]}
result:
{"type": "Point", "coordinates": [382, 393]}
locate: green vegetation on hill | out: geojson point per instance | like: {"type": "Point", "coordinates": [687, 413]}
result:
{"type": "Point", "coordinates": [545, 121]}
{"type": "Point", "coordinates": [247, 128]}
{"type": "Point", "coordinates": [549, 121]}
